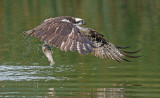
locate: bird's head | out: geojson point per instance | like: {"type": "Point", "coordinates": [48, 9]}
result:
{"type": "Point", "coordinates": [75, 21]}
{"type": "Point", "coordinates": [79, 21]}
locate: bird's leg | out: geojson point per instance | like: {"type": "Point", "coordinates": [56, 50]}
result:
{"type": "Point", "coordinates": [47, 50]}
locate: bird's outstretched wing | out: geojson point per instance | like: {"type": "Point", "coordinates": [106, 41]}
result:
{"type": "Point", "coordinates": [67, 36]}
{"type": "Point", "coordinates": [63, 35]}
{"type": "Point", "coordinates": [104, 48]}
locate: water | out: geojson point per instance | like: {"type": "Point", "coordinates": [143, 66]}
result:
{"type": "Point", "coordinates": [25, 71]}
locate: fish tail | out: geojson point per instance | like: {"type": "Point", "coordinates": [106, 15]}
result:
{"type": "Point", "coordinates": [52, 63]}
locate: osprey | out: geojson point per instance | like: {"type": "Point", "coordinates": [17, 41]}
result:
{"type": "Point", "coordinates": [66, 33]}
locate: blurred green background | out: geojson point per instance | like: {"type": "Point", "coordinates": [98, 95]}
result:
{"type": "Point", "coordinates": [25, 71]}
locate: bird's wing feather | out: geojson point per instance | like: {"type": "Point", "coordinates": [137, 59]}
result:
{"type": "Point", "coordinates": [63, 35]}
{"type": "Point", "coordinates": [104, 48]}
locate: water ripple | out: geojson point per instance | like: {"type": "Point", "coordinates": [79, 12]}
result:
{"type": "Point", "coordinates": [18, 73]}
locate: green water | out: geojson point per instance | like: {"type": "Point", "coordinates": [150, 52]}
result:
{"type": "Point", "coordinates": [25, 71]}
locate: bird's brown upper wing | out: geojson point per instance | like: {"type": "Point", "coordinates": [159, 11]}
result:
{"type": "Point", "coordinates": [104, 48]}
{"type": "Point", "coordinates": [66, 36]}
{"type": "Point", "coordinates": [63, 35]}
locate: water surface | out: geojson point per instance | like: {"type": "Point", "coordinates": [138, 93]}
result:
{"type": "Point", "coordinates": [25, 71]}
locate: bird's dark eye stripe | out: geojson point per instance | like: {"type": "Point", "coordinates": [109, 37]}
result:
{"type": "Point", "coordinates": [78, 21]}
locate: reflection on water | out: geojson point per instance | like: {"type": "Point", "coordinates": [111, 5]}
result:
{"type": "Point", "coordinates": [28, 73]}
{"type": "Point", "coordinates": [96, 92]}
{"type": "Point", "coordinates": [19, 73]}
{"type": "Point", "coordinates": [25, 71]}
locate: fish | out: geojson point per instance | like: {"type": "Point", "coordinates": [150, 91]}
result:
{"type": "Point", "coordinates": [47, 50]}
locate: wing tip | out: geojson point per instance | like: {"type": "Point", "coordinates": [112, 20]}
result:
{"type": "Point", "coordinates": [132, 52]}
{"type": "Point", "coordinates": [30, 32]}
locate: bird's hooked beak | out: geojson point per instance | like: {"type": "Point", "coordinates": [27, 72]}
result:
{"type": "Point", "coordinates": [83, 22]}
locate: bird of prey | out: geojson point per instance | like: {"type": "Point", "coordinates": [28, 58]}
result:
{"type": "Point", "coordinates": [67, 33]}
